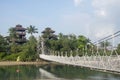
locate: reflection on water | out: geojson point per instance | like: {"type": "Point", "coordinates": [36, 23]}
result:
{"type": "Point", "coordinates": [53, 72]}
{"type": "Point", "coordinates": [77, 73]}
{"type": "Point", "coordinates": [19, 73]}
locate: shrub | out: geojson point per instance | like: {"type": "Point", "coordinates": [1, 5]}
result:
{"type": "Point", "coordinates": [2, 54]}
{"type": "Point", "coordinates": [12, 57]}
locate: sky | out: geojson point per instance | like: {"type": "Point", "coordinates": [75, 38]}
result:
{"type": "Point", "coordinates": [93, 18]}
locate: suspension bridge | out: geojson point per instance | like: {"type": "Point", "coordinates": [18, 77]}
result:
{"type": "Point", "coordinates": [95, 60]}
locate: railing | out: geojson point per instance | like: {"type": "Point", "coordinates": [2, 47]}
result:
{"type": "Point", "coordinates": [109, 59]}
{"type": "Point", "coordinates": [109, 63]}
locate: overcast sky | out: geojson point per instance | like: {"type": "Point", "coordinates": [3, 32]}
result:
{"type": "Point", "coordinates": [92, 18]}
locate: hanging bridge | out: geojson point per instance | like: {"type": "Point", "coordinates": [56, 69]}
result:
{"type": "Point", "coordinates": [95, 60]}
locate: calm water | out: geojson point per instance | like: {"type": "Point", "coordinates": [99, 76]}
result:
{"type": "Point", "coordinates": [53, 72]}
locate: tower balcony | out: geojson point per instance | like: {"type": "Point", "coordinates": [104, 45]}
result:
{"type": "Point", "coordinates": [21, 33]}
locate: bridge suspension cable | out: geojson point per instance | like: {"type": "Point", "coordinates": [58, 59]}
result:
{"type": "Point", "coordinates": [116, 34]}
{"type": "Point", "coordinates": [102, 59]}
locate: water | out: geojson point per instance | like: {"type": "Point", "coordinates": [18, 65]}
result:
{"type": "Point", "coordinates": [53, 72]}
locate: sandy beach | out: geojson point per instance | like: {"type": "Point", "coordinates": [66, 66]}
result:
{"type": "Point", "coordinates": [10, 63]}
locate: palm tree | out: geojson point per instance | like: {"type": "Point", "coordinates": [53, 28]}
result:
{"type": "Point", "coordinates": [31, 29]}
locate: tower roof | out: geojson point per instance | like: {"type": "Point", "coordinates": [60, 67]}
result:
{"type": "Point", "coordinates": [19, 28]}
{"type": "Point", "coordinates": [48, 30]}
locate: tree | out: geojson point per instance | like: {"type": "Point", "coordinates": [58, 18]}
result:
{"type": "Point", "coordinates": [83, 43]}
{"type": "Point", "coordinates": [118, 49]}
{"type": "Point", "coordinates": [30, 50]}
{"type": "Point", "coordinates": [3, 44]}
{"type": "Point", "coordinates": [31, 29]}
{"type": "Point", "coordinates": [12, 34]}
{"type": "Point", "coordinates": [72, 36]}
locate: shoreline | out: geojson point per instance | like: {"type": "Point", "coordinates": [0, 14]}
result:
{"type": "Point", "coordinates": [11, 63]}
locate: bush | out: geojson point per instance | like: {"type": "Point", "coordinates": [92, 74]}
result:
{"type": "Point", "coordinates": [23, 56]}
{"type": "Point", "coordinates": [2, 54]}
{"type": "Point", "coordinates": [27, 55]}
{"type": "Point", "coordinates": [12, 57]}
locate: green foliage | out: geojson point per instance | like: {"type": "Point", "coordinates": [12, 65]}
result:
{"type": "Point", "coordinates": [2, 54]}
{"type": "Point", "coordinates": [64, 43]}
{"type": "Point", "coordinates": [29, 52]}
{"type": "Point", "coordinates": [3, 44]}
{"type": "Point", "coordinates": [11, 51]}
{"type": "Point", "coordinates": [12, 34]}
{"type": "Point", "coordinates": [31, 29]}
{"type": "Point", "coordinates": [28, 55]}
{"type": "Point", "coordinates": [61, 44]}
{"type": "Point", "coordinates": [24, 56]}
{"type": "Point", "coordinates": [26, 51]}
{"type": "Point", "coordinates": [67, 43]}
{"type": "Point", "coordinates": [11, 57]}
{"type": "Point", "coordinates": [118, 49]}
{"type": "Point", "coordinates": [15, 48]}
{"type": "Point", "coordinates": [82, 41]}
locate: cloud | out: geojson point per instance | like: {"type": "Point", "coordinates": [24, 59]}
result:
{"type": "Point", "coordinates": [100, 21]}
{"type": "Point", "coordinates": [101, 13]}
{"type": "Point", "coordinates": [105, 19]}
{"type": "Point", "coordinates": [103, 31]}
{"type": "Point", "coordinates": [106, 7]}
{"type": "Point", "coordinates": [77, 2]}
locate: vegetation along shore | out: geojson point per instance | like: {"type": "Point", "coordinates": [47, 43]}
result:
{"type": "Point", "coordinates": [16, 47]}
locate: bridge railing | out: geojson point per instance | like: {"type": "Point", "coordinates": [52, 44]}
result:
{"type": "Point", "coordinates": [100, 62]}
{"type": "Point", "coordinates": [96, 56]}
